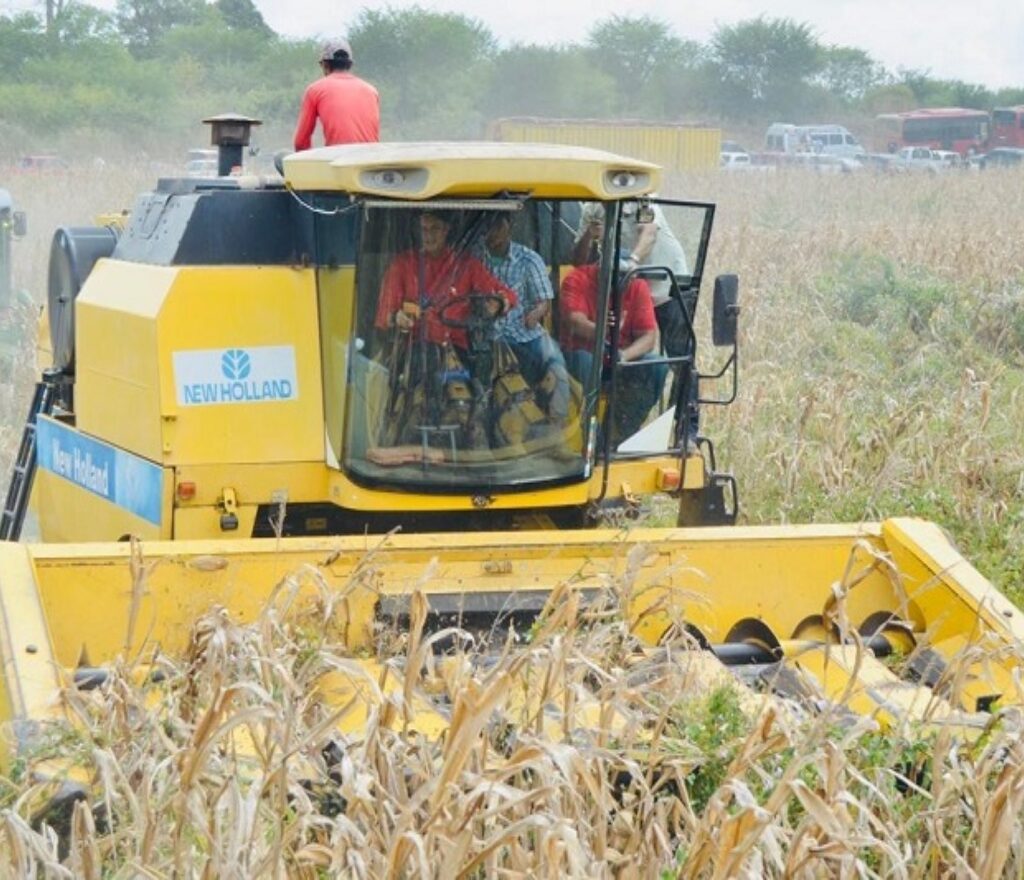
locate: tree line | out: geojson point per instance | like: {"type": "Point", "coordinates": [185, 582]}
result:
{"type": "Point", "coordinates": [148, 71]}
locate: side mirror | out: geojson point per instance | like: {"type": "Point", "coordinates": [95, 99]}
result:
{"type": "Point", "coordinates": [19, 223]}
{"type": "Point", "coordinates": [725, 310]}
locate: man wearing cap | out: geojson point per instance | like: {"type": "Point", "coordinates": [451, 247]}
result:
{"type": "Point", "coordinates": [348, 108]}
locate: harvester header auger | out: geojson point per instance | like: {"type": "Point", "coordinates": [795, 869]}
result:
{"type": "Point", "coordinates": [397, 369]}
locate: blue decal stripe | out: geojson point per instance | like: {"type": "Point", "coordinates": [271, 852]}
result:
{"type": "Point", "coordinates": [130, 482]}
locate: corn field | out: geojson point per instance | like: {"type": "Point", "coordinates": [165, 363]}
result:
{"type": "Point", "coordinates": [882, 340]}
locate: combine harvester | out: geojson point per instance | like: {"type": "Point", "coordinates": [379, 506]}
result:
{"type": "Point", "coordinates": [229, 398]}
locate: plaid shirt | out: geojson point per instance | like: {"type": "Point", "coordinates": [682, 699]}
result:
{"type": "Point", "coordinates": [524, 271]}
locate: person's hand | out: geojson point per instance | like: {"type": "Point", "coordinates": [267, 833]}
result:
{"type": "Point", "coordinates": [404, 322]}
{"type": "Point", "coordinates": [496, 305]}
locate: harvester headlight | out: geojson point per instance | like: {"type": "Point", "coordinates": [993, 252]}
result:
{"type": "Point", "coordinates": [388, 177]}
{"type": "Point", "coordinates": [394, 181]}
{"type": "Point", "coordinates": [623, 179]}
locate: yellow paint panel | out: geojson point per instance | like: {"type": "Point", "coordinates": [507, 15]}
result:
{"type": "Point", "coordinates": [250, 309]}
{"type": "Point", "coordinates": [714, 579]}
{"type": "Point", "coordinates": [67, 512]}
{"type": "Point", "coordinates": [117, 385]}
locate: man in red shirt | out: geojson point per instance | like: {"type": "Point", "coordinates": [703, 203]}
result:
{"type": "Point", "coordinates": [424, 281]}
{"type": "Point", "coordinates": [348, 108]}
{"type": "Point", "coordinates": [639, 387]}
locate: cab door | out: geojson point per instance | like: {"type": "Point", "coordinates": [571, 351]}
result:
{"type": "Point", "coordinates": [653, 389]}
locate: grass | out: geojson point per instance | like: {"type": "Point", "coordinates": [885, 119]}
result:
{"type": "Point", "coordinates": [882, 369]}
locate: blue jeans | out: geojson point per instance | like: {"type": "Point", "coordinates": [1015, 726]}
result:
{"type": "Point", "coordinates": [540, 359]}
{"type": "Point", "coordinates": [639, 388]}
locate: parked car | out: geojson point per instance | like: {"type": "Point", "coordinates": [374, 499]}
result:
{"type": "Point", "coordinates": [918, 159]}
{"type": "Point", "coordinates": [949, 158]}
{"type": "Point", "coordinates": [734, 160]}
{"type": "Point", "coordinates": [880, 163]}
{"type": "Point", "coordinates": [827, 140]}
{"type": "Point", "coordinates": [824, 164]}
{"type": "Point", "coordinates": [1002, 157]}
{"type": "Point", "coordinates": [41, 164]}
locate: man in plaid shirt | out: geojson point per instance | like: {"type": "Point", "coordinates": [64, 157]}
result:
{"type": "Point", "coordinates": [540, 359]}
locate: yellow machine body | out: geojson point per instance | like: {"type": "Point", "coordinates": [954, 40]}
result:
{"type": "Point", "coordinates": [136, 323]}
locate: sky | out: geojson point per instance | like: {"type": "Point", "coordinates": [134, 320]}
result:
{"type": "Point", "coordinates": [978, 41]}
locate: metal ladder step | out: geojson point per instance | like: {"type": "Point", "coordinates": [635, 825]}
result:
{"type": "Point", "coordinates": [20, 488]}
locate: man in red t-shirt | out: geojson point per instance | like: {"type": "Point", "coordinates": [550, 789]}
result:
{"type": "Point", "coordinates": [424, 281]}
{"type": "Point", "coordinates": [639, 387]}
{"type": "Point", "coordinates": [348, 108]}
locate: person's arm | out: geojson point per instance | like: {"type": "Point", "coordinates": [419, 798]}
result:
{"type": "Point", "coordinates": [392, 297]}
{"type": "Point", "coordinates": [538, 283]}
{"type": "Point", "coordinates": [640, 325]}
{"type": "Point", "coordinates": [482, 281]}
{"type": "Point", "coordinates": [590, 233]}
{"type": "Point", "coordinates": [646, 235]}
{"type": "Point", "coordinates": [537, 314]}
{"type": "Point", "coordinates": [303, 139]}
{"type": "Point", "coordinates": [575, 304]}
{"type": "Point", "coordinates": [639, 347]}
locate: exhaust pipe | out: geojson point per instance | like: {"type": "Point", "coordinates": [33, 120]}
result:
{"type": "Point", "coordinates": [229, 132]}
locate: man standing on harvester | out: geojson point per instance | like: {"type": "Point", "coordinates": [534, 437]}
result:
{"type": "Point", "coordinates": [348, 108]}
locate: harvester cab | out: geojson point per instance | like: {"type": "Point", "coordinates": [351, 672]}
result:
{"type": "Point", "coordinates": [356, 349]}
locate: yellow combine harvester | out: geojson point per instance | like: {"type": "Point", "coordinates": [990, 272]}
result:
{"type": "Point", "coordinates": [257, 375]}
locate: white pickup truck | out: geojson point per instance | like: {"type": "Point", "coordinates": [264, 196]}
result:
{"type": "Point", "coordinates": [918, 159]}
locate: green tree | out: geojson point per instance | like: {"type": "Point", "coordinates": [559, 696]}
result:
{"type": "Point", "coordinates": [22, 38]}
{"type": "Point", "coordinates": [633, 51]}
{"type": "Point", "coordinates": [143, 23]}
{"type": "Point", "coordinates": [766, 66]}
{"type": "Point", "coordinates": [548, 81]}
{"type": "Point", "coordinates": [242, 15]}
{"type": "Point", "coordinates": [431, 69]}
{"type": "Point", "coordinates": [850, 73]}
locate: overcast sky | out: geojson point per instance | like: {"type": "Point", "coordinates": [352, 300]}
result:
{"type": "Point", "coordinates": [980, 41]}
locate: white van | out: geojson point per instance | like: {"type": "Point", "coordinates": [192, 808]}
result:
{"type": "Point", "coordinates": [828, 140]}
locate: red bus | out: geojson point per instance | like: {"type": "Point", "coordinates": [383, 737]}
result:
{"type": "Point", "coordinates": [941, 128]}
{"type": "Point", "coordinates": [1008, 127]}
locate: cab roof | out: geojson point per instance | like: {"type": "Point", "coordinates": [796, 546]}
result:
{"type": "Point", "coordinates": [470, 169]}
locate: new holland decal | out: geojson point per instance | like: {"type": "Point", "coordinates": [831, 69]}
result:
{"type": "Point", "coordinates": [259, 374]}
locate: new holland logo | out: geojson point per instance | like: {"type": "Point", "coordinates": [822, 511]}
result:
{"type": "Point", "coordinates": [262, 374]}
{"type": "Point", "coordinates": [236, 364]}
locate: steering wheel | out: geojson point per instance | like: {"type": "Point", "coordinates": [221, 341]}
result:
{"type": "Point", "coordinates": [479, 315]}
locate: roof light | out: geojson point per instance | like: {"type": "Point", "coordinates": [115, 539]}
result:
{"type": "Point", "coordinates": [623, 179]}
{"type": "Point", "coordinates": [388, 177]}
